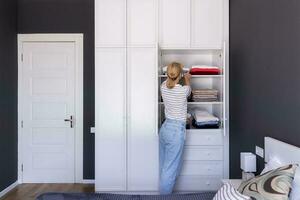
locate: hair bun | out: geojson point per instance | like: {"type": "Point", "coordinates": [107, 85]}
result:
{"type": "Point", "coordinates": [173, 75]}
{"type": "Point", "coordinates": [173, 71]}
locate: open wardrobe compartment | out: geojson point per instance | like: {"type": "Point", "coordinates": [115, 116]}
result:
{"type": "Point", "coordinates": [135, 40]}
{"type": "Point", "coordinates": [205, 152]}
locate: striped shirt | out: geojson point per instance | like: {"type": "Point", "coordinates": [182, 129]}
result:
{"type": "Point", "coordinates": [175, 101]}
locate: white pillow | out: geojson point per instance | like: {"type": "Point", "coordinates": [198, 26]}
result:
{"type": "Point", "coordinates": [228, 192]}
{"type": "Point", "coordinates": [275, 163]}
{"type": "Point", "coordinates": [295, 194]}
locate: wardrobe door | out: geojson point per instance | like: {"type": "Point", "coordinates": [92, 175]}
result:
{"type": "Point", "coordinates": [110, 23]}
{"type": "Point", "coordinates": [110, 122]}
{"type": "Point", "coordinates": [142, 22]}
{"type": "Point", "coordinates": [207, 23]}
{"type": "Point", "coordinates": [175, 23]}
{"type": "Point", "coordinates": [142, 119]}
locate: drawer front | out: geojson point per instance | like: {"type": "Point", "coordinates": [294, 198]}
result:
{"type": "Point", "coordinates": [202, 168]}
{"type": "Point", "coordinates": [209, 137]}
{"type": "Point", "coordinates": [203, 153]}
{"type": "Point", "coordinates": [198, 183]}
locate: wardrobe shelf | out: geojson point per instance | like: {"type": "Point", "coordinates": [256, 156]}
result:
{"type": "Point", "coordinates": [197, 76]}
{"type": "Point", "coordinates": [200, 103]}
{"type": "Point", "coordinates": [205, 130]}
{"type": "Point", "coordinates": [166, 50]}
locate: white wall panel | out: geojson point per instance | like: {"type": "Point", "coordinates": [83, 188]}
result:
{"type": "Point", "coordinates": [142, 132]}
{"type": "Point", "coordinates": [110, 140]}
{"type": "Point", "coordinates": [175, 23]}
{"type": "Point", "coordinates": [207, 23]}
{"type": "Point", "coordinates": [110, 27]}
{"type": "Point", "coordinates": [142, 22]}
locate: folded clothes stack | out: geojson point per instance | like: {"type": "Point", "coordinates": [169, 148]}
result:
{"type": "Point", "coordinates": [203, 119]}
{"type": "Point", "coordinates": [205, 70]}
{"type": "Point", "coordinates": [204, 95]}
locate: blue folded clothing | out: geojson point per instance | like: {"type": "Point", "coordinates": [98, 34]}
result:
{"type": "Point", "coordinates": [206, 125]}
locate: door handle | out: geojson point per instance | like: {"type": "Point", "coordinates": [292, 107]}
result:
{"type": "Point", "coordinates": [71, 120]}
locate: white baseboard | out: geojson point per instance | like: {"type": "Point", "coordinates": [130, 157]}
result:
{"type": "Point", "coordinates": [88, 181]}
{"type": "Point", "coordinates": [8, 189]}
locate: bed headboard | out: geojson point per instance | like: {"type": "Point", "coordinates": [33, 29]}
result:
{"type": "Point", "coordinates": [285, 152]}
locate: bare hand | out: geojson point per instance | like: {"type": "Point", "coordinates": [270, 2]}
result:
{"type": "Point", "coordinates": [187, 76]}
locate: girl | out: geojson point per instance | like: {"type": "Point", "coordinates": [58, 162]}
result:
{"type": "Point", "coordinates": [172, 132]}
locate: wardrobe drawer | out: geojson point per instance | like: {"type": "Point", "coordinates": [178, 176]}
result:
{"type": "Point", "coordinates": [204, 137]}
{"type": "Point", "coordinates": [198, 153]}
{"type": "Point", "coordinates": [202, 168]}
{"type": "Point", "coordinates": [198, 183]}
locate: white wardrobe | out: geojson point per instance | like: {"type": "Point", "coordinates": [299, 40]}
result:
{"type": "Point", "coordinates": [129, 38]}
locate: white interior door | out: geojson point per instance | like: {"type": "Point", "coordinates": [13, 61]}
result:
{"type": "Point", "coordinates": [175, 23]}
{"type": "Point", "coordinates": [142, 129]}
{"type": "Point", "coordinates": [110, 140]}
{"type": "Point", "coordinates": [48, 99]}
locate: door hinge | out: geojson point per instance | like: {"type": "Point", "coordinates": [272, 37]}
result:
{"type": "Point", "coordinates": [22, 124]}
{"type": "Point", "coordinates": [22, 57]}
{"type": "Point", "coordinates": [22, 167]}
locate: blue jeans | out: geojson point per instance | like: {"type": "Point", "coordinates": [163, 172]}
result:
{"type": "Point", "coordinates": [171, 144]}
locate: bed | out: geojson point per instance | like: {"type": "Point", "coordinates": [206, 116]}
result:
{"type": "Point", "coordinates": [286, 153]}
{"type": "Point", "coordinates": [280, 178]}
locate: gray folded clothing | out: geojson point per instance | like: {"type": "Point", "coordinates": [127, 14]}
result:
{"type": "Point", "coordinates": [205, 95]}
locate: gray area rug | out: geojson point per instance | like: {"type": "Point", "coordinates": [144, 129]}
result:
{"type": "Point", "coordinates": [95, 196]}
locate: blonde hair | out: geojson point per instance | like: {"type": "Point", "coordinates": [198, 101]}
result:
{"type": "Point", "coordinates": [174, 71]}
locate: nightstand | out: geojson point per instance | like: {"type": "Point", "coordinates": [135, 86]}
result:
{"type": "Point", "coordinates": [234, 182]}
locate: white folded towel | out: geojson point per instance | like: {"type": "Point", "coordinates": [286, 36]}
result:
{"type": "Point", "coordinates": [204, 67]}
{"type": "Point", "coordinates": [165, 69]}
{"type": "Point", "coordinates": [185, 69]}
{"type": "Point", "coordinates": [204, 116]}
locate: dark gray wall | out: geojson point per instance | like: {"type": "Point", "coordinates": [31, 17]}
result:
{"type": "Point", "coordinates": [264, 67]}
{"type": "Point", "coordinates": [264, 74]}
{"type": "Point", "coordinates": [8, 93]}
{"type": "Point", "coordinates": [68, 16]}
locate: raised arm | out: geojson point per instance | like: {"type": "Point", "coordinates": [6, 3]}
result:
{"type": "Point", "coordinates": [187, 84]}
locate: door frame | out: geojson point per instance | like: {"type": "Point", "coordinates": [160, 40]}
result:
{"type": "Point", "coordinates": [78, 148]}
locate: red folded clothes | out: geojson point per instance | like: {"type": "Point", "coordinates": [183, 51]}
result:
{"type": "Point", "coordinates": [204, 71]}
